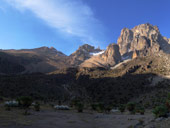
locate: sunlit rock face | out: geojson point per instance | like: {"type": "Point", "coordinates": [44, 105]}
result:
{"type": "Point", "coordinates": [83, 53]}
{"type": "Point", "coordinates": [109, 58]}
{"type": "Point", "coordinates": [144, 38]}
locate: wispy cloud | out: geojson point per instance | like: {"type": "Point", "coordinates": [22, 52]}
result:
{"type": "Point", "coordinates": [71, 17]}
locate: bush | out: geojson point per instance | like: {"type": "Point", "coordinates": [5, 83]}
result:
{"type": "Point", "coordinates": [74, 102]}
{"type": "Point", "coordinates": [108, 108]}
{"type": "Point", "coordinates": [169, 96]}
{"type": "Point", "coordinates": [99, 107]}
{"type": "Point", "coordinates": [79, 107]}
{"type": "Point", "coordinates": [37, 106]}
{"type": "Point", "coordinates": [142, 110]}
{"type": "Point", "coordinates": [122, 108]}
{"type": "Point", "coordinates": [168, 102]}
{"type": "Point", "coordinates": [131, 107]}
{"type": "Point", "coordinates": [160, 111]}
{"type": "Point", "coordinates": [168, 105]}
{"type": "Point", "coordinates": [94, 106]}
{"type": "Point", "coordinates": [7, 107]}
{"type": "Point", "coordinates": [25, 102]}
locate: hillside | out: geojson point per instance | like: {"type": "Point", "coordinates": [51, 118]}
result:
{"type": "Point", "coordinates": [114, 75]}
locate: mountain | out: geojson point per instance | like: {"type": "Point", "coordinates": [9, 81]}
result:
{"type": "Point", "coordinates": [42, 59]}
{"type": "Point", "coordinates": [139, 64]}
{"type": "Point", "coordinates": [83, 53]}
{"type": "Point", "coordinates": [142, 40]}
{"type": "Point", "coordinates": [110, 57]}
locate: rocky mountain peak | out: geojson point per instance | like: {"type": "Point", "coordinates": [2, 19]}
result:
{"type": "Point", "coordinates": [112, 54]}
{"type": "Point", "coordinates": [109, 58]}
{"type": "Point", "coordinates": [142, 38]}
{"type": "Point", "coordinates": [83, 53]}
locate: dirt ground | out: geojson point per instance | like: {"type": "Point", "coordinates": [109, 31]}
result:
{"type": "Point", "coordinates": [72, 119]}
{"type": "Point", "coordinates": [48, 118]}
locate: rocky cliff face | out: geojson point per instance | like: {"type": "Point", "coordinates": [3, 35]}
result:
{"type": "Point", "coordinates": [83, 53]}
{"type": "Point", "coordinates": [144, 39]}
{"type": "Point", "coordinates": [109, 58]}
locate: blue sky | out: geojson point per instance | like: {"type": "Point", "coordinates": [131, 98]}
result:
{"type": "Point", "coordinates": [67, 24]}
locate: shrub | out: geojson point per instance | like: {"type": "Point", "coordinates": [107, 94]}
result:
{"type": "Point", "coordinates": [94, 106]}
{"type": "Point", "coordinates": [168, 105]}
{"type": "Point", "coordinates": [74, 102]}
{"type": "Point", "coordinates": [79, 107]}
{"type": "Point", "coordinates": [168, 102]}
{"type": "Point", "coordinates": [131, 107]}
{"type": "Point", "coordinates": [100, 107]}
{"type": "Point", "coordinates": [25, 102]}
{"type": "Point", "coordinates": [37, 106]}
{"type": "Point", "coordinates": [7, 107]}
{"type": "Point", "coordinates": [122, 108]}
{"type": "Point", "coordinates": [169, 96]}
{"type": "Point", "coordinates": [108, 108]}
{"type": "Point", "coordinates": [142, 110]}
{"type": "Point", "coordinates": [160, 111]}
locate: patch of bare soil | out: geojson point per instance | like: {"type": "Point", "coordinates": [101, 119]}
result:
{"type": "Point", "coordinates": [72, 119]}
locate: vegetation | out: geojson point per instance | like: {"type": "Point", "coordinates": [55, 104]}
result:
{"type": "Point", "coordinates": [122, 108]}
{"type": "Point", "coordinates": [37, 106]}
{"type": "Point", "coordinates": [80, 107]}
{"type": "Point", "coordinates": [131, 107]}
{"type": "Point", "coordinates": [7, 107]}
{"type": "Point", "coordinates": [25, 102]}
{"type": "Point", "coordinates": [160, 111]}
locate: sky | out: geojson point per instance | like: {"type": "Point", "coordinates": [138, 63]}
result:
{"type": "Point", "coordinates": [67, 24]}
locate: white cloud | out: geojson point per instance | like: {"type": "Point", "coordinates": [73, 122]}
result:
{"type": "Point", "coordinates": [69, 16]}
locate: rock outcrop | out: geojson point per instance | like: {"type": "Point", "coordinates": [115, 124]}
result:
{"type": "Point", "coordinates": [83, 53]}
{"type": "Point", "coordinates": [144, 38]}
{"type": "Point", "coordinates": [109, 58]}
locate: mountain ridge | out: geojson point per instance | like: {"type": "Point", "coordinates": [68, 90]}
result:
{"type": "Point", "coordinates": [142, 40]}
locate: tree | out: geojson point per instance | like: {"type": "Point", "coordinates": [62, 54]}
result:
{"type": "Point", "coordinates": [37, 106]}
{"type": "Point", "coordinates": [122, 108]}
{"type": "Point", "coordinates": [25, 102]}
{"type": "Point", "coordinates": [131, 107]}
{"type": "Point", "coordinates": [80, 106]}
{"type": "Point", "coordinates": [160, 111]}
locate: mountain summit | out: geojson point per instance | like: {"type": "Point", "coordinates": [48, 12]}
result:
{"type": "Point", "coordinates": [143, 39]}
